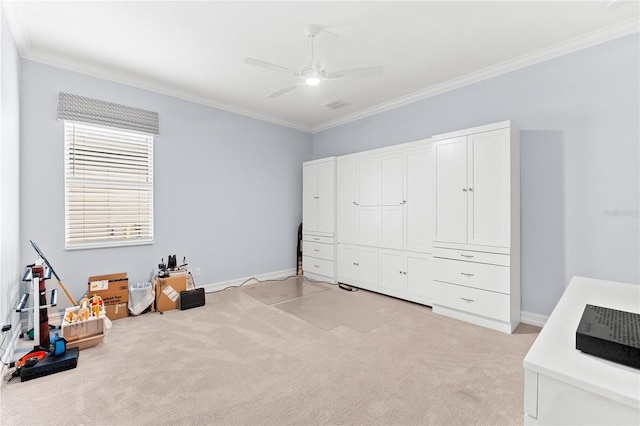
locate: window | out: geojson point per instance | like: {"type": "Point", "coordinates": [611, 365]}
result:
{"type": "Point", "coordinates": [108, 187]}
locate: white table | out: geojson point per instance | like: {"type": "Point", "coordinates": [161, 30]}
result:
{"type": "Point", "coordinates": [565, 386]}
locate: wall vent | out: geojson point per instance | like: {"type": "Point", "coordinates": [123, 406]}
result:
{"type": "Point", "coordinates": [339, 103]}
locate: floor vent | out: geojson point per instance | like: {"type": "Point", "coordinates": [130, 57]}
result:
{"type": "Point", "coordinates": [339, 103]}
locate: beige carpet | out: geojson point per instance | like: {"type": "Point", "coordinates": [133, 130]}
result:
{"type": "Point", "coordinates": [240, 361]}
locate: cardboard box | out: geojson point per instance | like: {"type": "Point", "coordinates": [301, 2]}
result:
{"type": "Point", "coordinates": [114, 290]}
{"type": "Point", "coordinates": [117, 310]}
{"type": "Point", "coordinates": [168, 292]}
{"type": "Point", "coordinates": [84, 334]}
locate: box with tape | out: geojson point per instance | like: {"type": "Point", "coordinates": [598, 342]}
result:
{"type": "Point", "coordinates": [168, 292]}
{"type": "Point", "coordinates": [114, 291]}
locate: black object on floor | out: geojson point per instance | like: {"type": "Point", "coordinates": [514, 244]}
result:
{"type": "Point", "coordinates": [346, 287]}
{"type": "Point", "coordinates": [191, 298]}
{"type": "Point", "coordinates": [610, 334]}
{"type": "Point", "coordinates": [50, 365]}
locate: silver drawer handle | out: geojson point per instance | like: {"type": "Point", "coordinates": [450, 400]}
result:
{"type": "Point", "coordinates": [316, 250]}
{"type": "Point", "coordinates": [316, 239]}
{"type": "Point", "coordinates": [467, 300]}
{"type": "Point", "coordinates": [466, 275]}
{"type": "Point", "coordinates": [403, 202]}
{"type": "Point", "coordinates": [316, 266]}
{"type": "Point", "coordinates": [468, 256]}
{"type": "Point", "coordinates": [356, 204]}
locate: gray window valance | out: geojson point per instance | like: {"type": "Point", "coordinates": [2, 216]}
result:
{"type": "Point", "coordinates": [93, 111]}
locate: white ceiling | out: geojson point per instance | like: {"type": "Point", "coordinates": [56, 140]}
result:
{"type": "Point", "coordinates": [195, 50]}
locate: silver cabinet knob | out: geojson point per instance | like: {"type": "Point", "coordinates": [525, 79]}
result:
{"type": "Point", "coordinates": [464, 189]}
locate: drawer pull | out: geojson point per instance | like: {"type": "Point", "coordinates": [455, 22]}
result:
{"type": "Point", "coordinates": [316, 239]}
{"type": "Point", "coordinates": [467, 300]}
{"type": "Point", "coordinates": [356, 204]}
{"type": "Point", "coordinates": [466, 275]}
{"type": "Point", "coordinates": [468, 256]}
{"type": "Point", "coordinates": [316, 266]}
{"type": "Point", "coordinates": [316, 250]}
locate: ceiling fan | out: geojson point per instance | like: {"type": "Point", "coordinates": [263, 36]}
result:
{"type": "Point", "coordinates": [314, 73]}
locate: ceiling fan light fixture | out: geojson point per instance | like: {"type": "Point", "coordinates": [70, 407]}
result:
{"type": "Point", "coordinates": [312, 81]}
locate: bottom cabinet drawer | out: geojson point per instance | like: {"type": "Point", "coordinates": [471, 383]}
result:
{"type": "Point", "coordinates": [479, 302]}
{"type": "Point", "coordinates": [317, 266]}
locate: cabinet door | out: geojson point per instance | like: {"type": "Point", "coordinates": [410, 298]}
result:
{"type": "Point", "coordinates": [392, 269]}
{"type": "Point", "coordinates": [451, 190]}
{"type": "Point", "coordinates": [368, 181]}
{"type": "Point", "coordinates": [420, 207]}
{"type": "Point", "coordinates": [347, 264]}
{"type": "Point", "coordinates": [347, 197]}
{"type": "Point", "coordinates": [368, 226]}
{"type": "Point", "coordinates": [390, 230]}
{"type": "Point", "coordinates": [419, 274]}
{"type": "Point", "coordinates": [309, 200]}
{"type": "Point", "coordinates": [325, 181]}
{"type": "Point", "coordinates": [392, 180]}
{"type": "Point", "coordinates": [368, 266]}
{"type": "Point", "coordinates": [489, 188]}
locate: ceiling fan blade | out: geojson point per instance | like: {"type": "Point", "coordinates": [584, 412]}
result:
{"type": "Point", "coordinates": [269, 66]}
{"type": "Point", "coordinates": [356, 73]}
{"type": "Point", "coordinates": [283, 91]}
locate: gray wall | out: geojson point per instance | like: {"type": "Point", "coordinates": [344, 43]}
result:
{"type": "Point", "coordinates": [579, 118]}
{"type": "Point", "coordinates": [10, 268]}
{"type": "Point", "coordinates": [228, 189]}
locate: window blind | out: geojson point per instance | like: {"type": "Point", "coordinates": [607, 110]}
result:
{"type": "Point", "coordinates": [87, 110]}
{"type": "Point", "coordinates": [108, 187]}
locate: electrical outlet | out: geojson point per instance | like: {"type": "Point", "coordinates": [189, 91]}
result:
{"type": "Point", "coordinates": [198, 272]}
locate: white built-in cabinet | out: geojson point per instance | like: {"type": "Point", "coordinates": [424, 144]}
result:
{"type": "Point", "coordinates": [318, 219]}
{"type": "Point", "coordinates": [477, 226]}
{"type": "Point", "coordinates": [385, 210]}
{"type": "Point", "coordinates": [435, 221]}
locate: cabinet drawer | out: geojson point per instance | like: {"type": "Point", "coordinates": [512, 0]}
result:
{"type": "Point", "coordinates": [320, 250]}
{"type": "Point", "coordinates": [470, 274]}
{"type": "Point", "coordinates": [473, 256]}
{"type": "Point", "coordinates": [317, 266]}
{"type": "Point", "coordinates": [478, 302]}
{"type": "Point", "coordinates": [317, 239]}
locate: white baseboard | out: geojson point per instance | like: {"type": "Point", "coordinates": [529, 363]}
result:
{"type": "Point", "coordinates": [210, 288]}
{"type": "Point", "coordinates": [533, 319]}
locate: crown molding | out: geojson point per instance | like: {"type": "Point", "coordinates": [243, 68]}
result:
{"type": "Point", "coordinates": [597, 37]}
{"type": "Point", "coordinates": [158, 88]}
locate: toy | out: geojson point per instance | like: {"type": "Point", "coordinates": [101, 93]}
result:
{"type": "Point", "coordinates": [97, 306]}
{"type": "Point", "coordinates": [84, 312]}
